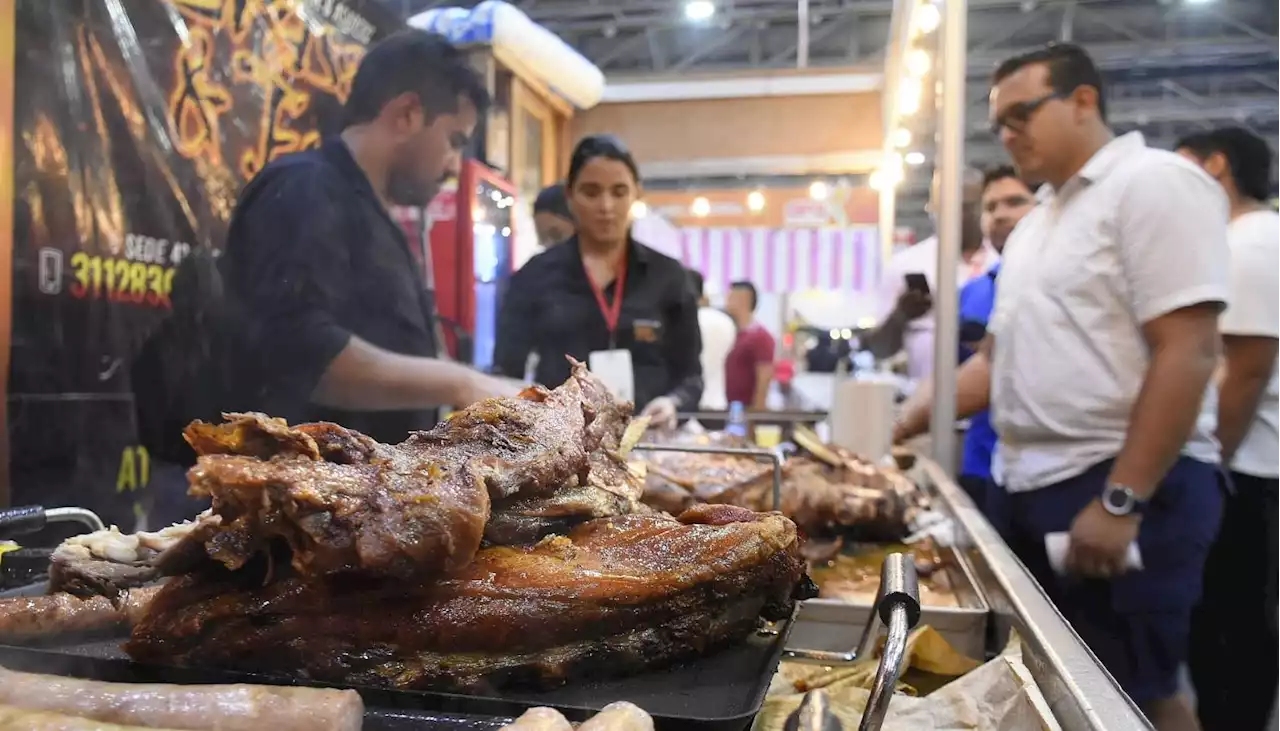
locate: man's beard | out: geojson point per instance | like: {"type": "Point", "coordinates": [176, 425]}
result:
{"type": "Point", "coordinates": [407, 189]}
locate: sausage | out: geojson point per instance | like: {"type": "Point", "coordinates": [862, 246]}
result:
{"type": "Point", "coordinates": [18, 719]}
{"type": "Point", "coordinates": [539, 719]}
{"type": "Point", "coordinates": [27, 618]}
{"type": "Point", "coordinates": [188, 707]}
{"type": "Point", "coordinates": [620, 716]}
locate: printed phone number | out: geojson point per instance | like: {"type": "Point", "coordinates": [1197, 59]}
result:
{"type": "Point", "coordinates": [121, 280]}
{"type": "Point", "coordinates": [144, 276]}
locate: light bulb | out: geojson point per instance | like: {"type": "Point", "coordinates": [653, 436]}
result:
{"type": "Point", "coordinates": [914, 158]}
{"type": "Point", "coordinates": [918, 62]}
{"type": "Point", "coordinates": [700, 207]}
{"type": "Point", "coordinates": [909, 97]}
{"type": "Point", "coordinates": [639, 209]}
{"type": "Point", "coordinates": [901, 137]}
{"type": "Point", "coordinates": [698, 10]}
{"type": "Point", "coordinates": [927, 18]}
{"type": "Point", "coordinates": [818, 190]}
{"type": "Point", "coordinates": [755, 201]}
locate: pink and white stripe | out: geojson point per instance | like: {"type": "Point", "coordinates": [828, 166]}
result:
{"type": "Point", "coordinates": [785, 260]}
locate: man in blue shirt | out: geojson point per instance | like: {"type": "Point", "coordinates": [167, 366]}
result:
{"type": "Point", "coordinates": [1005, 200]}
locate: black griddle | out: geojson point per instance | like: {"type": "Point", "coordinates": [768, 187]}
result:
{"type": "Point", "coordinates": [720, 692]}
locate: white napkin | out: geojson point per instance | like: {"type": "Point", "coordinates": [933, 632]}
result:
{"type": "Point", "coordinates": [1056, 545]}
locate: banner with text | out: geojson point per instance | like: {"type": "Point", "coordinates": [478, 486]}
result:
{"type": "Point", "coordinates": [136, 122]}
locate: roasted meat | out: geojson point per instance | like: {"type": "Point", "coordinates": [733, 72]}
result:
{"type": "Point", "coordinates": [613, 487]}
{"type": "Point", "coordinates": [827, 491]}
{"type": "Point", "coordinates": [37, 618]}
{"type": "Point", "coordinates": [345, 503]}
{"type": "Point", "coordinates": [108, 562]}
{"type": "Point", "coordinates": [614, 596]}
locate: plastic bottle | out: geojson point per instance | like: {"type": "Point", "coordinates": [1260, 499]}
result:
{"type": "Point", "coordinates": [737, 423]}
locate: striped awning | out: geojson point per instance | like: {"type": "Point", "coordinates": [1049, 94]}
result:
{"type": "Point", "coordinates": [785, 260]}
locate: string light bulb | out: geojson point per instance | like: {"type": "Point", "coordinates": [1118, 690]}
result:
{"type": "Point", "coordinates": [918, 62]}
{"type": "Point", "coordinates": [909, 93]}
{"type": "Point", "coordinates": [639, 209]}
{"type": "Point", "coordinates": [927, 18]}
{"type": "Point", "coordinates": [701, 207]}
{"type": "Point", "coordinates": [755, 201]}
{"type": "Point", "coordinates": [818, 191]}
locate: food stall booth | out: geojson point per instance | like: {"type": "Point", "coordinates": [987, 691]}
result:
{"type": "Point", "coordinates": [80, 641]}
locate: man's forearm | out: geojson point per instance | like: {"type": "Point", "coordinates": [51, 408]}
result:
{"type": "Point", "coordinates": [764, 379]}
{"type": "Point", "coordinates": [973, 395]}
{"type": "Point", "coordinates": [1238, 400]}
{"type": "Point", "coordinates": [367, 377]}
{"type": "Point", "coordinates": [1163, 416]}
{"type": "Point", "coordinates": [886, 340]}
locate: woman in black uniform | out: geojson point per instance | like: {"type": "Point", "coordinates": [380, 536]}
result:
{"type": "Point", "coordinates": [604, 298]}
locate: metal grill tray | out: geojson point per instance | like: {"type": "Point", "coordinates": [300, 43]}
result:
{"type": "Point", "coordinates": [720, 692]}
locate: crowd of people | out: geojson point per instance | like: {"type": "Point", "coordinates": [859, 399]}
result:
{"type": "Point", "coordinates": [1126, 350]}
{"type": "Point", "coordinates": [1119, 340]}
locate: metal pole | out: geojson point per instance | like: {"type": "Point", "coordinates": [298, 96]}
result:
{"type": "Point", "coordinates": [802, 34]}
{"type": "Point", "coordinates": [951, 166]}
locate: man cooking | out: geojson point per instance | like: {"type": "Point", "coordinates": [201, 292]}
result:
{"type": "Point", "coordinates": [332, 319]}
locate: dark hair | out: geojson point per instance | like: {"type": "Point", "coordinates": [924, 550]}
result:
{"type": "Point", "coordinates": [1070, 68]}
{"type": "Point", "coordinates": [750, 289]}
{"type": "Point", "coordinates": [419, 62]}
{"type": "Point", "coordinates": [696, 282]}
{"type": "Point", "coordinates": [1248, 157]}
{"type": "Point", "coordinates": [1002, 172]}
{"type": "Point", "coordinates": [552, 200]}
{"type": "Point", "coordinates": [606, 146]}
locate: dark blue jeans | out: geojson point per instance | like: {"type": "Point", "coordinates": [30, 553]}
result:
{"type": "Point", "coordinates": [1138, 624]}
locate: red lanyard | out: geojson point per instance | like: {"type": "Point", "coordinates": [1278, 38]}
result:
{"type": "Point", "coordinates": [611, 312]}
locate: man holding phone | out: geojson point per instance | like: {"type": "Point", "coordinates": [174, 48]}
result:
{"type": "Point", "coordinates": [907, 283]}
{"type": "Point", "coordinates": [1006, 198]}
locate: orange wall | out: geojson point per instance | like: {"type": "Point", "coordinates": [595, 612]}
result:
{"type": "Point", "coordinates": [783, 207]}
{"type": "Point", "coordinates": [679, 131]}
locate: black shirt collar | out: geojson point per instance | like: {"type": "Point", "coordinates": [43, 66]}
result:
{"type": "Point", "coordinates": [636, 252]}
{"type": "Point", "coordinates": [337, 154]}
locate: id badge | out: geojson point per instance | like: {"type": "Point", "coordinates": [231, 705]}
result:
{"type": "Point", "coordinates": [613, 368]}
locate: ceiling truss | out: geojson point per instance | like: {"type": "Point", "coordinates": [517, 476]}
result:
{"type": "Point", "coordinates": [1171, 67]}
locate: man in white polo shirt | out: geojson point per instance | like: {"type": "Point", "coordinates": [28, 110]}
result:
{"type": "Point", "coordinates": [1235, 624]}
{"type": "Point", "coordinates": [1103, 342]}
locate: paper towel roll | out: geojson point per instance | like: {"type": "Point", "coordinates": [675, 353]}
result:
{"type": "Point", "coordinates": [862, 413]}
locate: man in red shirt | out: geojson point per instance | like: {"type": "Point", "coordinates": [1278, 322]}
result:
{"type": "Point", "coordinates": [748, 370]}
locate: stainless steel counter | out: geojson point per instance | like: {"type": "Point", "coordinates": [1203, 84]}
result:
{"type": "Point", "coordinates": [1081, 693]}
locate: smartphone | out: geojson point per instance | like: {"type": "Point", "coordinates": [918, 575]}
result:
{"type": "Point", "coordinates": [917, 282]}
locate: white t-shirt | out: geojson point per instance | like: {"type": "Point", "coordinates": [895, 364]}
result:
{"type": "Point", "coordinates": [1255, 311]}
{"type": "Point", "coordinates": [922, 258]}
{"type": "Point", "coordinates": [1137, 234]}
{"type": "Point", "coordinates": [718, 334]}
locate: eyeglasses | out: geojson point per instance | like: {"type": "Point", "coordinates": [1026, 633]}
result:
{"type": "Point", "coordinates": [1016, 117]}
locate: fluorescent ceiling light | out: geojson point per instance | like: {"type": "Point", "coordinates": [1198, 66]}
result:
{"type": "Point", "coordinates": [697, 10]}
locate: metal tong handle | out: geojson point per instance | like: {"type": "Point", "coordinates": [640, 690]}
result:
{"type": "Point", "coordinates": [772, 455]}
{"type": "Point", "coordinates": [897, 584]}
{"type": "Point", "coordinates": [898, 607]}
{"type": "Point", "coordinates": [32, 518]}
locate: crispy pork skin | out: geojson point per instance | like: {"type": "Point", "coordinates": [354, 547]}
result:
{"type": "Point", "coordinates": [344, 503]}
{"type": "Point", "coordinates": [614, 596]}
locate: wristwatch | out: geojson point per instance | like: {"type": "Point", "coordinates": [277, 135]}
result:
{"type": "Point", "coordinates": [1121, 500]}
